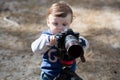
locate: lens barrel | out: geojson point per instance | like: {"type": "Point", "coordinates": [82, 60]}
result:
{"type": "Point", "coordinates": [73, 46]}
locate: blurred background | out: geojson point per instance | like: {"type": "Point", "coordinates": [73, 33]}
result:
{"type": "Point", "coordinates": [21, 22]}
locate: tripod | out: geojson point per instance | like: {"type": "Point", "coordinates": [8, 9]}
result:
{"type": "Point", "coordinates": [68, 74]}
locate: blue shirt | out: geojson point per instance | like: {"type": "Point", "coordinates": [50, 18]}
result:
{"type": "Point", "coordinates": [51, 65]}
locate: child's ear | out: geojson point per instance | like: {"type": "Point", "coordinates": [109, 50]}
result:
{"type": "Point", "coordinates": [48, 22]}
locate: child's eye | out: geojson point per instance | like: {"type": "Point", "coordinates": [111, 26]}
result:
{"type": "Point", "coordinates": [55, 24]}
{"type": "Point", "coordinates": [64, 24]}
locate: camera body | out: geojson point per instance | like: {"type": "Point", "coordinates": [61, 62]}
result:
{"type": "Point", "coordinates": [68, 45]}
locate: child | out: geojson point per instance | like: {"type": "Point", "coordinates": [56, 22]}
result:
{"type": "Point", "coordinates": [59, 18]}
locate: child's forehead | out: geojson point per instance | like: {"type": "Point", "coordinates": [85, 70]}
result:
{"type": "Point", "coordinates": [54, 18]}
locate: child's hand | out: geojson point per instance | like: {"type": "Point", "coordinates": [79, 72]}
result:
{"type": "Point", "coordinates": [52, 40]}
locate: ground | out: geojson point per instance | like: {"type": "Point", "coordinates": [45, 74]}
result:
{"type": "Point", "coordinates": [21, 22]}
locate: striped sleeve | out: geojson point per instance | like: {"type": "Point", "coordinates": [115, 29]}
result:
{"type": "Point", "coordinates": [84, 42]}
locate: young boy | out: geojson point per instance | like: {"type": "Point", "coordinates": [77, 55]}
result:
{"type": "Point", "coordinates": [59, 18]}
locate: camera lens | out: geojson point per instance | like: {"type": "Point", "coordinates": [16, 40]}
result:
{"type": "Point", "coordinates": [74, 49]}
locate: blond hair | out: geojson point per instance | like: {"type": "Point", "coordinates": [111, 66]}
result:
{"type": "Point", "coordinates": [60, 9]}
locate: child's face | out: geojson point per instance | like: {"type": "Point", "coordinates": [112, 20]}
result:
{"type": "Point", "coordinates": [58, 24]}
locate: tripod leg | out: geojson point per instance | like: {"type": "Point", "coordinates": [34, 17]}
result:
{"type": "Point", "coordinates": [71, 74]}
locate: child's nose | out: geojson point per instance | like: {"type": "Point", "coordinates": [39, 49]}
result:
{"type": "Point", "coordinates": [60, 27]}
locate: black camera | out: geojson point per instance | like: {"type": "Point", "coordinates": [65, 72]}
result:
{"type": "Point", "coordinates": [69, 46]}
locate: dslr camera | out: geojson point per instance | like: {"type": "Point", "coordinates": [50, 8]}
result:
{"type": "Point", "coordinates": [69, 46]}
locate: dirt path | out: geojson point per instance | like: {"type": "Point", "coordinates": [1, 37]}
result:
{"type": "Point", "coordinates": [22, 21]}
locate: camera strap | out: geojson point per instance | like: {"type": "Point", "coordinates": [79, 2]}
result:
{"type": "Point", "coordinates": [68, 62]}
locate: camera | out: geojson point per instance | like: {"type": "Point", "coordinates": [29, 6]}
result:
{"type": "Point", "coordinates": [69, 46]}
